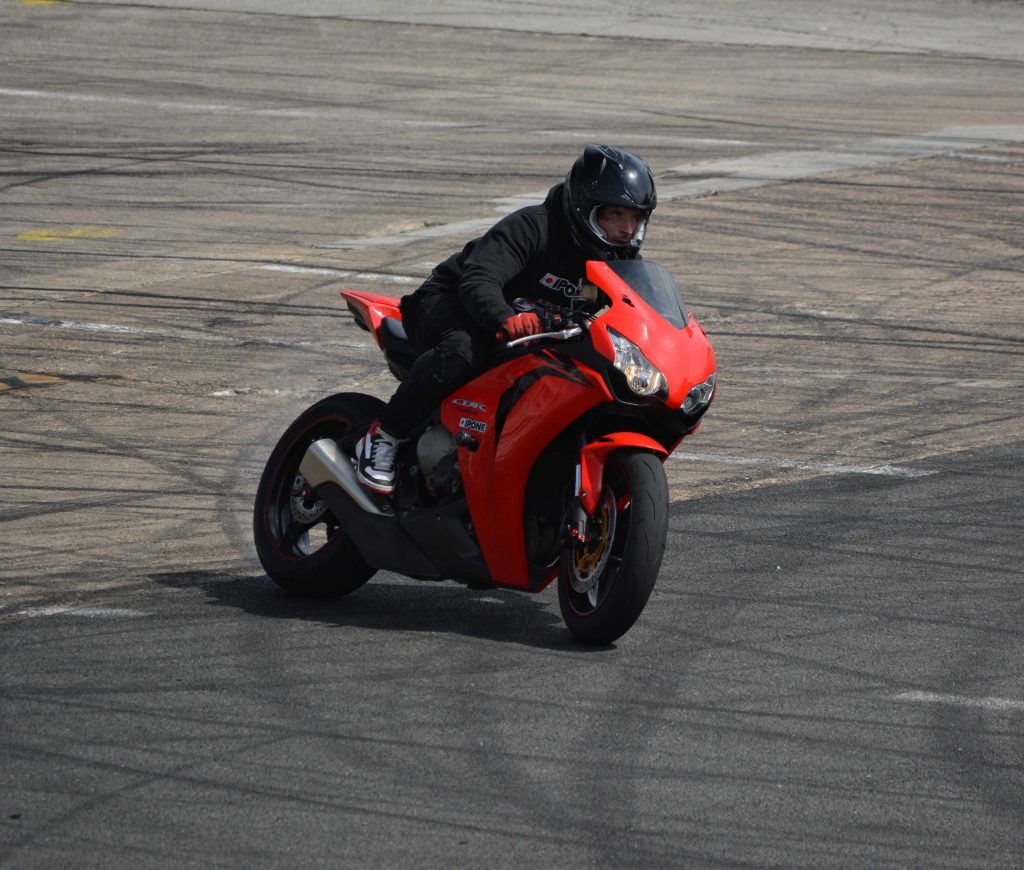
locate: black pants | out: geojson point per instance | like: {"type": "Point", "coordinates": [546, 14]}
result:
{"type": "Point", "coordinates": [453, 349]}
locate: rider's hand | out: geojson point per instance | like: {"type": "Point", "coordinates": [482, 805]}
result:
{"type": "Point", "coordinates": [522, 325]}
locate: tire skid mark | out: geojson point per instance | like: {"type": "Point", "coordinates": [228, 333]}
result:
{"type": "Point", "coordinates": [125, 497]}
{"type": "Point", "coordinates": [997, 346]}
{"type": "Point", "coordinates": [106, 296]}
{"type": "Point", "coordinates": [858, 320]}
{"type": "Point", "coordinates": [195, 334]}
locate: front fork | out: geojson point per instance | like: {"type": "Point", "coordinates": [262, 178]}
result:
{"type": "Point", "coordinates": [590, 476]}
{"type": "Point", "coordinates": [577, 513]}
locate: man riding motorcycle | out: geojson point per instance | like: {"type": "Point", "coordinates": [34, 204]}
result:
{"type": "Point", "coordinates": [599, 212]}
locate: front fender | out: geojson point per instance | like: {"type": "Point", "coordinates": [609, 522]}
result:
{"type": "Point", "coordinates": [594, 456]}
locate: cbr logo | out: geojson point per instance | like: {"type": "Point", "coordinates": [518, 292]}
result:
{"type": "Point", "coordinates": [472, 425]}
{"type": "Point", "coordinates": [562, 285]}
{"type": "Point", "coordinates": [466, 403]}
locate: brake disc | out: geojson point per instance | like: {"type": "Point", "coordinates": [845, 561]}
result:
{"type": "Point", "coordinates": [590, 559]}
{"type": "Point", "coordinates": [306, 505]}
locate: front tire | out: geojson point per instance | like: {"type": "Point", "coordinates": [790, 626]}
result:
{"type": "Point", "coordinates": [604, 584]}
{"type": "Point", "coordinates": [300, 543]}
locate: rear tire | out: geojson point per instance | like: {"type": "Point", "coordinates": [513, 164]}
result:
{"type": "Point", "coordinates": [604, 585]}
{"type": "Point", "coordinates": [300, 543]}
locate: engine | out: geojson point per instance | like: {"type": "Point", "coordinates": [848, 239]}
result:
{"type": "Point", "coordinates": [438, 458]}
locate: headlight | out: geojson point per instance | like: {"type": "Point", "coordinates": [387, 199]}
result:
{"type": "Point", "coordinates": [643, 378]}
{"type": "Point", "coordinates": [700, 395]}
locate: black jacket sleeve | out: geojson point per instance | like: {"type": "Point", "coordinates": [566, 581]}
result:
{"type": "Point", "coordinates": [497, 258]}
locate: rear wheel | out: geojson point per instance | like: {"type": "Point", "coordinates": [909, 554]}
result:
{"type": "Point", "coordinates": [300, 543]}
{"type": "Point", "coordinates": [604, 583]}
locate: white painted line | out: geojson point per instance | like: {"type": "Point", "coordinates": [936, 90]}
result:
{"type": "Point", "coordinates": [225, 109]}
{"type": "Point", "coordinates": [327, 112]}
{"type": "Point", "coordinates": [118, 329]}
{"type": "Point", "coordinates": [745, 173]}
{"type": "Point", "coordinates": [305, 270]}
{"type": "Point", "coordinates": [87, 612]}
{"type": "Point", "coordinates": [627, 140]}
{"type": "Point", "coordinates": [75, 324]}
{"type": "Point", "coordinates": [163, 105]}
{"type": "Point", "coordinates": [987, 158]}
{"type": "Point", "coordinates": [1007, 704]}
{"type": "Point", "coordinates": [802, 465]}
{"type": "Point", "coordinates": [386, 279]}
{"type": "Point", "coordinates": [380, 277]}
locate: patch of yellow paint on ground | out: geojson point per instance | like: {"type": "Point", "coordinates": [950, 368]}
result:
{"type": "Point", "coordinates": [73, 233]}
{"type": "Point", "coordinates": [39, 379]}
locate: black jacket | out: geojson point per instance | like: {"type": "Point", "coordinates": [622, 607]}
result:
{"type": "Point", "coordinates": [528, 253]}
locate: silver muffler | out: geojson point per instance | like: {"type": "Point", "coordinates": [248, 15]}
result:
{"type": "Point", "coordinates": [324, 462]}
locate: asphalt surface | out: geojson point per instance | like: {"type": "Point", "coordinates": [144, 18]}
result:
{"type": "Point", "coordinates": [829, 671]}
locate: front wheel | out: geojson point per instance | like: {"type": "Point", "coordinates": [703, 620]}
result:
{"type": "Point", "coordinates": [604, 584]}
{"type": "Point", "coordinates": [301, 544]}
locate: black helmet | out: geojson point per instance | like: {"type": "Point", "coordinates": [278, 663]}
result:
{"type": "Point", "coordinates": [603, 175]}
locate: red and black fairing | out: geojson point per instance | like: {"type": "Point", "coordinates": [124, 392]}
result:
{"type": "Point", "coordinates": [370, 309]}
{"type": "Point", "coordinates": [525, 426]}
{"type": "Point", "coordinates": [514, 412]}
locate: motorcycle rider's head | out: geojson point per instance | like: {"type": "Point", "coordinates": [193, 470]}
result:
{"type": "Point", "coordinates": [609, 196]}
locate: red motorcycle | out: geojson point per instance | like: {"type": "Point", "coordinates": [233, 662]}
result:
{"type": "Point", "coordinates": [547, 465]}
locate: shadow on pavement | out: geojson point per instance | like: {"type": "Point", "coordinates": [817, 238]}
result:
{"type": "Point", "coordinates": [391, 603]}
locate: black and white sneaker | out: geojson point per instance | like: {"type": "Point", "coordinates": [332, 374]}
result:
{"type": "Point", "coordinates": [376, 455]}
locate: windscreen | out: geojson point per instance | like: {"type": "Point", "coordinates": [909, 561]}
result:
{"type": "Point", "coordinates": [655, 285]}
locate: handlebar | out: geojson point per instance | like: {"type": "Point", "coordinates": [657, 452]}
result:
{"type": "Point", "coordinates": [561, 335]}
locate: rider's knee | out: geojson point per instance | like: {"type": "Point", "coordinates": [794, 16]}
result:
{"type": "Point", "coordinates": [459, 358]}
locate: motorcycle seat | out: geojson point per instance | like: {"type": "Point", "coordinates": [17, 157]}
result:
{"type": "Point", "coordinates": [393, 328]}
{"type": "Point", "coordinates": [398, 350]}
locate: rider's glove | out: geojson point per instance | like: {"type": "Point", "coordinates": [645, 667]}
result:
{"type": "Point", "coordinates": [521, 325]}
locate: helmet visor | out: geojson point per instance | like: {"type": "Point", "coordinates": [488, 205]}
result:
{"type": "Point", "coordinates": [618, 226]}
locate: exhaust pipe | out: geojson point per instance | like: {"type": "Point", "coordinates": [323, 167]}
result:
{"type": "Point", "coordinates": [325, 463]}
